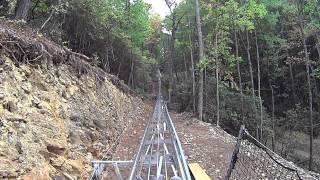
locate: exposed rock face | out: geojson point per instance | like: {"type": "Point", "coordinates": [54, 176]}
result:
{"type": "Point", "coordinates": [52, 123]}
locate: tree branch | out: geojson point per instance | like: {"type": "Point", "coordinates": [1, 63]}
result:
{"type": "Point", "coordinates": [44, 24]}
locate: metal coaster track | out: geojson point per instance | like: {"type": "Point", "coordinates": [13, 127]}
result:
{"type": "Point", "coordinates": [160, 155]}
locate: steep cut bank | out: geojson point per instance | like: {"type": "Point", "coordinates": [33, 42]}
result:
{"type": "Point", "coordinates": [54, 121]}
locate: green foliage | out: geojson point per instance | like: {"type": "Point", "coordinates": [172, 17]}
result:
{"type": "Point", "coordinates": [250, 13]}
{"type": "Point", "coordinates": [312, 9]}
{"type": "Point", "coordinates": [272, 40]}
{"type": "Point", "coordinates": [230, 110]}
{"type": "Point", "coordinates": [203, 63]}
{"type": "Point", "coordinates": [316, 73]}
{"type": "Point", "coordinates": [140, 25]}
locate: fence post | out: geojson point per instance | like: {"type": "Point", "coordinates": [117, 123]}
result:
{"type": "Point", "coordinates": [235, 153]}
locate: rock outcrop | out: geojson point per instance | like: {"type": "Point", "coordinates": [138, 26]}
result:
{"type": "Point", "coordinates": [53, 122]}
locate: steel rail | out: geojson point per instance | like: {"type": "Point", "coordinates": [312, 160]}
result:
{"type": "Point", "coordinates": [160, 155]}
{"type": "Point", "coordinates": [161, 125]}
{"type": "Point", "coordinates": [134, 167]}
{"type": "Point", "coordinates": [180, 153]}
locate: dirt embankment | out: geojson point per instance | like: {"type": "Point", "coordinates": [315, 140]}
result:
{"type": "Point", "coordinates": [53, 123]}
{"type": "Point", "coordinates": [55, 116]}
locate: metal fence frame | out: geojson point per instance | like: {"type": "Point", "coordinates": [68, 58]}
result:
{"type": "Point", "coordinates": [245, 135]}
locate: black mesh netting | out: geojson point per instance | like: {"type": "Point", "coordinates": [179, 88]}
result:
{"type": "Point", "coordinates": [252, 160]}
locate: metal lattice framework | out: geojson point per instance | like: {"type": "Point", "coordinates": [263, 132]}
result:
{"type": "Point", "coordinates": [160, 155]}
{"type": "Point", "coordinates": [253, 160]}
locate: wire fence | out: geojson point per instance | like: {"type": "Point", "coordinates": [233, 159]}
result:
{"type": "Point", "coordinates": [253, 160]}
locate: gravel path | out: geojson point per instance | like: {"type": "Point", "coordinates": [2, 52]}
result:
{"type": "Point", "coordinates": [205, 144]}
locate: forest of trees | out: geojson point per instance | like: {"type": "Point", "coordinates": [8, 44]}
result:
{"type": "Point", "coordinates": [230, 62]}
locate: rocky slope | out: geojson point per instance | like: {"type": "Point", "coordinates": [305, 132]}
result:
{"type": "Point", "coordinates": [53, 122]}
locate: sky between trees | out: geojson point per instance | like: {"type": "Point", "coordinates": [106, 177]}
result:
{"type": "Point", "coordinates": [160, 7]}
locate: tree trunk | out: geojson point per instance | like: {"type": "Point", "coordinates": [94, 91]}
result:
{"type": "Point", "coordinates": [172, 53]}
{"type": "Point", "coordinates": [273, 119]}
{"type": "Point", "coordinates": [318, 44]}
{"type": "Point", "coordinates": [292, 84]}
{"type": "Point", "coordinates": [250, 64]}
{"type": "Point", "coordinates": [176, 73]}
{"type": "Point", "coordinates": [192, 71]}
{"type": "Point", "coordinates": [201, 56]}
{"type": "Point", "coordinates": [34, 7]}
{"type": "Point", "coordinates": [217, 79]}
{"type": "Point", "coordinates": [185, 68]}
{"type": "Point", "coordinates": [22, 9]}
{"type": "Point", "coordinates": [314, 78]}
{"type": "Point", "coordinates": [307, 64]}
{"type": "Point", "coordinates": [159, 82]}
{"type": "Point", "coordinates": [119, 69]}
{"type": "Point", "coordinates": [259, 84]}
{"type": "Point", "coordinates": [128, 7]}
{"type": "Point", "coordinates": [107, 62]}
{"type": "Point", "coordinates": [273, 141]}
{"type": "Point", "coordinates": [205, 90]}
{"type": "Point", "coordinates": [131, 69]}
{"type": "Point", "coordinates": [130, 80]}
{"type": "Point", "coordinates": [251, 78]}
{"type": "Point", "coordinates": [48, 19]}
{"type": "Point", "coordinates": [239, 74]}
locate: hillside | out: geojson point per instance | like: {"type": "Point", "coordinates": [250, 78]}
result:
{"type": "Point", "coordinates": [54, 121]}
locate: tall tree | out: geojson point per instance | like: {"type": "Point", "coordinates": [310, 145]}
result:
{"type": "Point", "coordinates": [259, 83]}
{"type": "Point", "coordinates": [307, 63]}
{"type": "Point", "coordinates": [201, 57]}
{"type": "Point", "coordinates": [252, 13]}
{"type": "Point", "coordinates": [235, 23]}
{"type": "Point", "coordinates": [304, 12]}
{"type": "Point", "coordinates": [175, 21]}
{"type": "Point", "coordinates": [139, 27]}
{"type": "Point", "coordinates": [22, 9]}
{"type": "Point", "coordinates": [217, 77]}
{"type": "Point", "coordinates": [192, 67]}
{"type": "Point", "coordinates": [236, 41]}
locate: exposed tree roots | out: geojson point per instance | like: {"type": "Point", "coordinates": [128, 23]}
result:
{"type": "Point", "coordinates": [26, 46]}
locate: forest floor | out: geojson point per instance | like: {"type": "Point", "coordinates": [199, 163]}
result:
{"type": "Point", "coordinates": [203, 143]}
